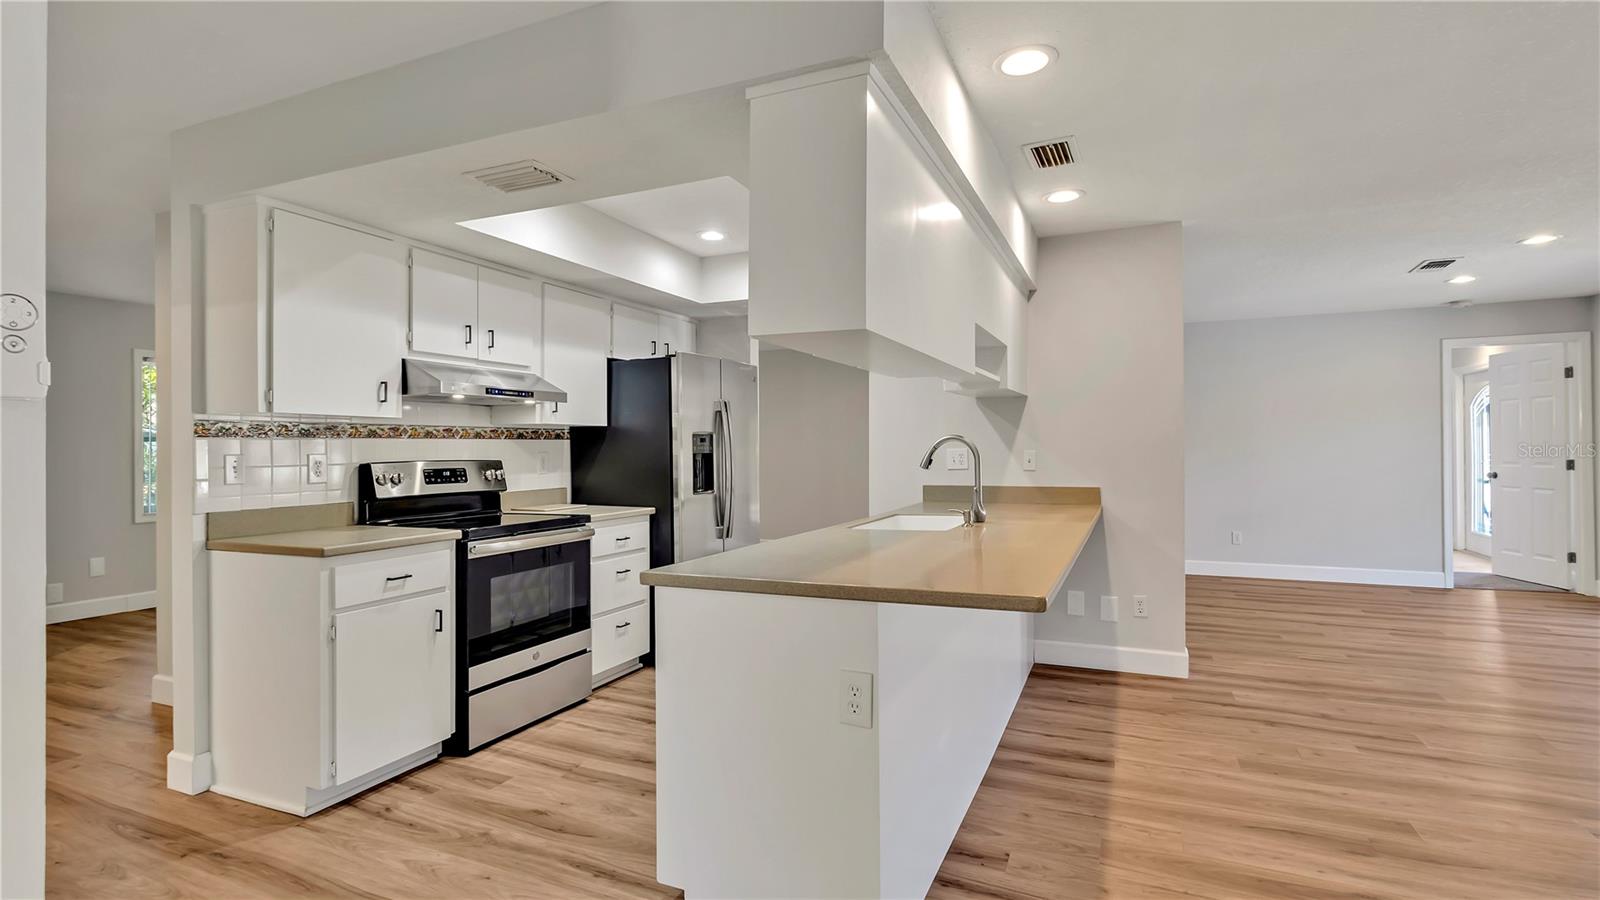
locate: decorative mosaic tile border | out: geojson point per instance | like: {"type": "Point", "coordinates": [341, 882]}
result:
{"type": "Point", "coordinates": [276, 429]}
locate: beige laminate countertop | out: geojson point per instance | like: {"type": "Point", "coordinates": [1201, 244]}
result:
{"type": "Point", "coordinates": [1014, 561]}
{"type": "Point", "coordinates": [336, 541]}
{"type": "Point", "coordinates": [595, 513]}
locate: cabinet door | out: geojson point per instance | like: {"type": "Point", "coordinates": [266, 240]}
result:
{"type": "Point", "coordinates": [393, 682]}
{"type": "Point", "coordinates": [677, 335]}
{"type": "Point", "coordinates": [634, 333]}
{"type": "Point", "coordinates": [577, 332]}
{"type": "Point", "coordinates": [444, 305]}
{"type": "Point", "coordinates": [338, 319]}
{"type": "Point", "coordinates": [509, 317]}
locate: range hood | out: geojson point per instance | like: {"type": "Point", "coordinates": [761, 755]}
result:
{"type": "Point", "coordinates": [426, 379]}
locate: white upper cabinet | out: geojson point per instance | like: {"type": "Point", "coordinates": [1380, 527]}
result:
{"type": "Point", "coordinates": [577, 335]}
{"type": "Point", "coordinates": [634, 333]}
{"type": "Point", "coordinates": [510, 319]}
{"type": "Point", "coordinates": [444, 305]}
{"type": "Point", "coordinates": [637, 333]}
{"type": "Point", "coordinates": [338, 319]}
{"type": "Point", "coordinates": [677, 335]}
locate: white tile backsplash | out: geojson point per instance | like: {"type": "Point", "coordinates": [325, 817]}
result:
{"type": "Point", "coordinates": [256, 451]}
{"type": "Point", "coordinates": [286, 452]}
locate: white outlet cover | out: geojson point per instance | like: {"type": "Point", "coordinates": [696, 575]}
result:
{"type": "Point", "coordinates": [1030, 460]}
{"type": "Point", "coordinates": [855, 698]}
{"type": "Point", "coordinates": [1141, 606]}
{"type": "Point", "coordinates": [231, 473]}
{"type": "Point", "coordinates": [1236, 536]}
{"type": "Point", "coordinates": [97, 566]}
{"type": "Point", "coordinates": [317, 468]}
{"type": "Point", "coordinates": [1074, 603]}
{"type": "Point", "coordinates": [956, 458]}
{"type": "Point", "coordinates": [1108, 608]}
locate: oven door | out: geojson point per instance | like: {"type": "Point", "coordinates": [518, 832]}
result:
{"type": "Point", "coordinates": [524, 591]}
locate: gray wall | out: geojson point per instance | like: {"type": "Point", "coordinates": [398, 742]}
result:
{"type": "Point", "coordinates": [1318, 437]}
{"type": "Point", "coordinates": [89, 436]}
{"type": "Point", "coordinates": [727, 337]}
{"type": "Point", "coordinates": [813, 443]}
{"type": "Point", "coordinates": [1104, 408]}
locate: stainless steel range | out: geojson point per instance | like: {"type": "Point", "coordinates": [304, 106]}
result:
{"type": "Point", "coordinates": [522, 589]}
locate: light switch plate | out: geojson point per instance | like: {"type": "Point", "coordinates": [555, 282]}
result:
{"type": "Point", "coordinates": [1030, 460]}
{"type": "Point", "coordinates": [1108, 607]}
{"type": "Point", "coordinates": [956, 458]}
{"type": "Point", "coordinates": [231, 473]}
{"type": "Point", "coordinates": [1074, 603]}
{"type": "Point", "coordinates": [317, 468]}
{"type": "Point", "coordinates": [97, 566]}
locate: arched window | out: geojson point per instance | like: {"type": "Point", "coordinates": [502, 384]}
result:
{"type": "Point", "coordinates": [1478, 422]}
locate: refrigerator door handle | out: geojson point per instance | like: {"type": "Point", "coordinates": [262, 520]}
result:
{"type": "Point", "coordinates": [721, 436]}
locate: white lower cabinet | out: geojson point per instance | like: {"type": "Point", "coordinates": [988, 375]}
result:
{"type": "Point", "coordinates": [619, 606]}
{"type": "Point", "coordinates": [323, 685]}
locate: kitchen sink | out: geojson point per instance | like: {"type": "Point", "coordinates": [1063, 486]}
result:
{"type": "Point", "coordinates": [911, 523]}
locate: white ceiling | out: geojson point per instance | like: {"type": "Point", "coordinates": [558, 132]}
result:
{"type": "Point", "coordinates": [678, 213]}
{"type": "Point", "coordinates": [124, 75]}
{"type": "Point", "coordinates": [1314, 151]}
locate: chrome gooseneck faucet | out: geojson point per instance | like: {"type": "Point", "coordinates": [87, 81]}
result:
{"type": "Point", "coordinates": [978, 512]}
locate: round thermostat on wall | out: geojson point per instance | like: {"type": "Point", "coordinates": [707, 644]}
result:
{"type": "Point", "coordinates": [18, 314]}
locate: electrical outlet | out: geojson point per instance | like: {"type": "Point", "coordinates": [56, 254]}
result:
{"type": "Point", "coordinates": [1237, 537]}
{"type": "Point", "coordinates": [231, 473]}
{"type": "Point", "coordinates": [1141, 606]}
{"type": "Point", "coordinates": [97, 566]}
{"type": "Point", "coordinates": [317, 468]}
{"type": "Point", "coordinates": [1030, 460]}
{"type": "Point", "coordinates": [956, 458]}
{"type": "Point", "coordinates": [1074, 603]}
{"type": "Point", "coordinates": [855, 698]}
{"type": "Point", "coordinates": [1108, 608]}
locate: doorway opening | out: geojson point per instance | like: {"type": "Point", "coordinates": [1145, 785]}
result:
{"type": "Point", "coordinates": [1518, 466]}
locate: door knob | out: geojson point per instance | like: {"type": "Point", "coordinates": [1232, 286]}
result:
{"type": "Point", "coordinates": [1493, 474]}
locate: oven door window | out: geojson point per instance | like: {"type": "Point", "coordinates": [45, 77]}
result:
{"type": "Point", "coordinates": [520, 600]}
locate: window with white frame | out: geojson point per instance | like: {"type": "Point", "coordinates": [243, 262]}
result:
{"type": "Point", "coordinates": [144, 436]}
{"type": "Point", "coordinates": [1478, 421]}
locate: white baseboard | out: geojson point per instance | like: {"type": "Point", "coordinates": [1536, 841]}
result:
{"type": "Point", "coordinates": [1167, 663]}
{"type": "Point", "coordinates": [98, 606]}
{"type": "Point", "coordinates": [161, 689]}
{"type": "Point", "coordinates": [1337, 574]}
{"type": "Point", "coordinates": [189, 774]}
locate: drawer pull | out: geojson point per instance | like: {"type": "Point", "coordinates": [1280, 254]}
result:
{"type": "Point", "coordinates": [624, 624]}
{"type": "Point", "coordinates": [438, 620]}
{"type": "Point", "coordinates": [623, 571]}
{"type": "Point", "coordinates": [624, 538]}
{"type": "Point", "coordinates": [397, 578]}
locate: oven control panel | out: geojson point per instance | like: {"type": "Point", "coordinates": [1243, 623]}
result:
{"type": "Point", "coordinates": [410, 479]}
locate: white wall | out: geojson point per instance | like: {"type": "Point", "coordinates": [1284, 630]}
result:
{"type": "Point", "coordinates": [1318, 437]}
{"type": "Point", "coordinates": [91, 443]}
{"type": "Point", "coordinates": [813, 442]}
{"type": "Point", "coordinates": [1105, 409]}
{"type": "Point", "coordinates": [727, 337]}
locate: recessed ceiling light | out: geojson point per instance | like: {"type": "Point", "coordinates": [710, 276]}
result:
{"type": "Point", "coordinates": [711, 234]}
{"type": "Point", "coordinates": [1020, 61]}
{"type": "Point", "coordinates": [1538, 239]}
{"type": "Point", "coordinates": [939, 212]}
{"type": "Point", "coordinates": [1462, 279]}
{"type": "Point", "coordinates": [1458, 304]}
{"type": "Point", "coordinates": [1066, 196]}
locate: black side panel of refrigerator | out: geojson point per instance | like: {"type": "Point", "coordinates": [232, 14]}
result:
{"type": "Point", "coordinates": [629, 461]}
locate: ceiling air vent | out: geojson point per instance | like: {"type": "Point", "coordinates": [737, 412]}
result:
{"type": "Point", "coordinates": [1050, 154]}
{"type": "Point", "coordinates": [1430, 265]}
{"type": "Point", "coordinates": [516, 176]}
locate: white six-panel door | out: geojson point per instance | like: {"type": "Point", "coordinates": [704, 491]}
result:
{"type": "Point", "coordinates": [1528, 464]}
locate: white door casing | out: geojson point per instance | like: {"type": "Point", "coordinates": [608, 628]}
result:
{"type": "Point", "coordinates": [1531, 535]}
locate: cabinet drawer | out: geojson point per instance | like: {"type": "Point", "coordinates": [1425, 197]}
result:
{"type": "Point", "coordinates": [621, 636]}
{"type": "Point", "coordinates": [620, 538]}
{"type": "Point", "coordinates": [364, 582]}
{"type": "Point", "coordinates": [614, 581]}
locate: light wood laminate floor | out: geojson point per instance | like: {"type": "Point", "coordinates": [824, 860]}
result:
{"type": "Point", "coordinates": [1333, 741]}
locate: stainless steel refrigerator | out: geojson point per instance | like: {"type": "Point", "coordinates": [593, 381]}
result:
{"type": "Point", "coordinates": [681, 437]}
